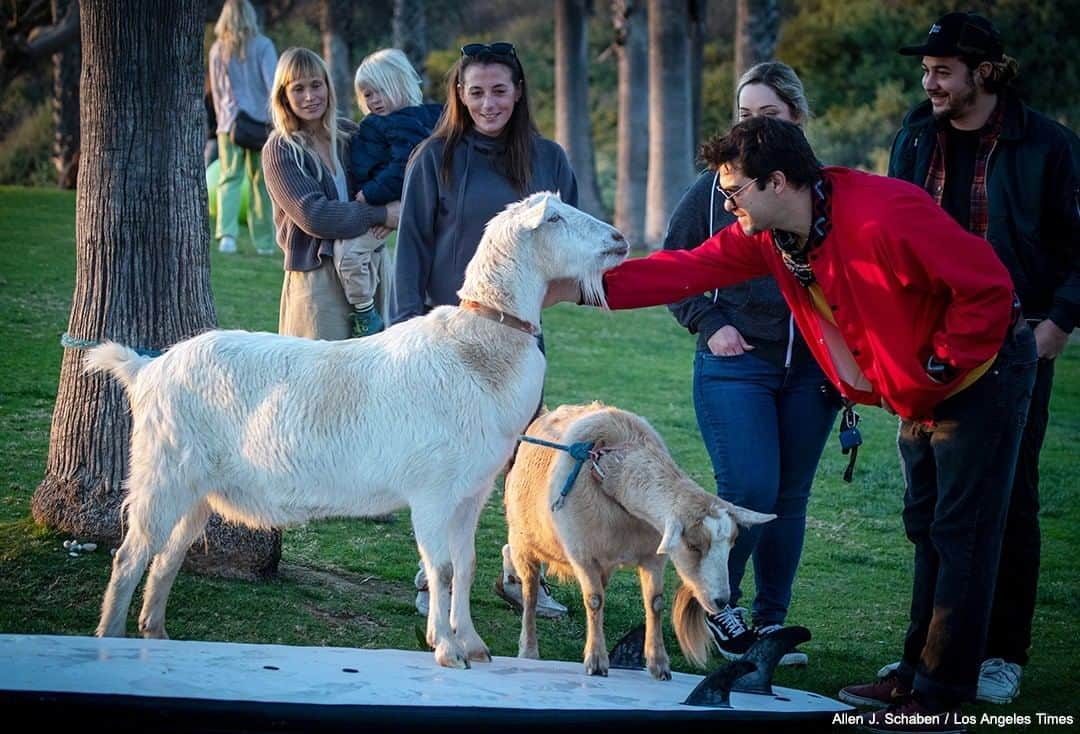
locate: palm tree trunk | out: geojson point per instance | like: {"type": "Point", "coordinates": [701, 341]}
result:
{"type": "Point", "coordinates": [632, 50]}
{"type": "Point", "coordinates": [670, 111]}
{"type": "Point", "coordinates": [573, 126]}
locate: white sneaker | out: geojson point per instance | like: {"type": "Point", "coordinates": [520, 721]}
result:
{"type": "Point", "coordinates": [795, 657]}
{"type": "Point", "coordinates": [509, 588]}
{"type": "Point", "coordinates": [999, 681]}
{"type": "Point", "coordinates": [227, 244]}
{"type": "Point", "coordinates": [422, 596]}
{"type": "Point", "coordinates": [887, 670]}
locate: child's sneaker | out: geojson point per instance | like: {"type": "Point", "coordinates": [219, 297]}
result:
{"type": "Point", "coordinates": [367, 322]}
{"type": "Point", "coordinates": [729, 632]}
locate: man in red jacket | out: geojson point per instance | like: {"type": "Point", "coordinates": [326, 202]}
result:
{"type": "Point", "coordinates": [904, 309]}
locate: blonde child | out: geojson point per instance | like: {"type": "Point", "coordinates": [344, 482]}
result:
{"type": "Point", "coordinates": [395, 121]}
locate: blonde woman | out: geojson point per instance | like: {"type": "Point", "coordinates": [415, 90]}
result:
{"type": "Point", "coordinates": [308, 184]}
{"type": "Point", "coordinates": [242, 62]}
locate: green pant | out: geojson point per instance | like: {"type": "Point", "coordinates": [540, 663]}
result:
{"type": "Point", "coordinates": [236, 163]}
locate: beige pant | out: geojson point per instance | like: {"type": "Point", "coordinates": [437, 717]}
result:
{"type": "Point", "coordinates": [313, 304]}
{"type": "Point", "coordinates": [358, 261]}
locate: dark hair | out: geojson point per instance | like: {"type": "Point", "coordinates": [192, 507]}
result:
{"type": "Point", "coordinates": [520, 129]}
{"type": "Point", "coordinates": [1002, 74]}
{"type": "Point", "coordinates": [760, 145]}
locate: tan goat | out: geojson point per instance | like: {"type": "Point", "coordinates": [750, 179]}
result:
{"type": "Point", "coordinates": [642, 511]}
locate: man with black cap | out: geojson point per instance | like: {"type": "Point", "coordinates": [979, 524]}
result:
{"type": "Point", "coordinates": [1009, 174]}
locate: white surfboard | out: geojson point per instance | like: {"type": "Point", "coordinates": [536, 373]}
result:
{"type": "Point", "coordinates": [178, 685]}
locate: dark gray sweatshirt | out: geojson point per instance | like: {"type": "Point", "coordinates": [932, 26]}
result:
{"type": "Point", "coordinates": [442, 223]}
{"type": "Point", "coordinates": [755, 307]}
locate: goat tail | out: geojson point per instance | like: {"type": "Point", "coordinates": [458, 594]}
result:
{"type": "Point", "coordinates": [688, 619]}
{"type": "Point", "coordinates": [121, 362]}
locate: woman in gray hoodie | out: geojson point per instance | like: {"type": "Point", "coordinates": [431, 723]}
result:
{"type": "Point", "coordinates": [484, 153]}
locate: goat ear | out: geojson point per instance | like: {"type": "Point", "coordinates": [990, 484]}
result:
{"type": "Point", "coordinates": [672, 534]}
{"type": "Point", "coordinates": [536, 214]}
{"type": "Point", "coordinates": [742, 516]}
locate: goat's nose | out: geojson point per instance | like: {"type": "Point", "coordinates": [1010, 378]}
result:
{"type": "Point", "coordinates": [617, 236]}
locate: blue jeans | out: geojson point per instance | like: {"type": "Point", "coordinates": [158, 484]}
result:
{"type": "Point", "coordinates": [765, 428]}
{"type": "Point", "coordinates": [959, 475]}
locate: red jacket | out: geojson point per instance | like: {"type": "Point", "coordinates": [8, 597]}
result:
{"type": "Point", "coordinates": [901, 277]}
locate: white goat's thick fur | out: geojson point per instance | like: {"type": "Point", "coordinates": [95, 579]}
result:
{"type": "Point", "coordinates": [270, 430]}
{"type": "Point", "coordinates": [644, 510]}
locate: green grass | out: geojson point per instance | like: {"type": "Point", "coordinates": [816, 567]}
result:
{"type": "Point", "coordinates": [349, 583]}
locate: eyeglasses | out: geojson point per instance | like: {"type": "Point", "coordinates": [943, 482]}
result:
{"type": "Point", "coordinates": [498, 49]}
{"type": "Point", "coordinates": [730, 195]}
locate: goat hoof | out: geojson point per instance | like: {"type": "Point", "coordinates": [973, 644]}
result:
{"type": "Point", "coordinates": [660, 674]}
{"type": "Point", "coordinates": [596, 665]}
{"type": "Point", "coordinates": [450, 656]}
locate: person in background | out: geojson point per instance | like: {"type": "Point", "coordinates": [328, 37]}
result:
{"type": "Point", "coordinates": [763, 405]}
{"type": "Point", "coordinates": [306, 177]}
{"type": "Point", "coordinates": [388, 92]}
{"type": "Point", "coordinates": [242, 63]}
{"type": "Point", "coordinates": [902, 308]}
{"type": "Point", "coordinates": [1009, 174]}
{"type": "Point", "coordinates": [484, 153]}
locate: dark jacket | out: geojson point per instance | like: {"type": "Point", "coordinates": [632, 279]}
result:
{"type": "Point", "coordinates": [1033, 194]}
{"type": "Point", "coordinates": [381, 148]}
{"type": "Point", "coordinates": [754, 307]}
{"type": "Point", "coordinates": [442, 221]}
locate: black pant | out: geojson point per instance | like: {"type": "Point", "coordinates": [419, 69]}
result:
{"type": "Point", "coordinates": [1018, 571]}
{"type": "Point", "coordinates": [959, 475]}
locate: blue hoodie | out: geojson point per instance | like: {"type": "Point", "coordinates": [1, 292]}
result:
{"type": "Point", "coordinates": [380, 149]}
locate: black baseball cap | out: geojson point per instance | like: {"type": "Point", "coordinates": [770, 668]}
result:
{"type": "Point", "coordinates": [960, 34]}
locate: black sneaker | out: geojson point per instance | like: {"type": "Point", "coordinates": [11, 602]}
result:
{"type": "Point", "coordinates": [729, 632]}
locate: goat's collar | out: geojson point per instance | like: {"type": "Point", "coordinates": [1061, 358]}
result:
{"type": "Point", "coordinates": [502, 317]}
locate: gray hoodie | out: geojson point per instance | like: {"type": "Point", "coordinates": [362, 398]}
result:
{"type": "Point", "coordinates": [442, 223]}
{"type": "Point", "coordinates": [754, 307]}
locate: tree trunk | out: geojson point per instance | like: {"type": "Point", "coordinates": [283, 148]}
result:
{"type": "Point", "coordinates": [757, 23]}
{"type": "Point", "coordinates": [410, 33]}
{"type": "Point", "coordinates": [698, 13]}
{"type": "Point", "coordinates": [573, 126]}
{"type": "Point", "coordinates": [632, 51]}
{"type": "Point", "coordinates": [671, 156]}
{"type": "Point", "coordinates": [142, 270]}
{"type": "Point", "coordinates": [65, 103]}
{"type": "Point", "coordinates": [335, 25]}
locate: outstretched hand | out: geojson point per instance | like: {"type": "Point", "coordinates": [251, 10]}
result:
{"type": "Point", "coordinates": [563, 289]}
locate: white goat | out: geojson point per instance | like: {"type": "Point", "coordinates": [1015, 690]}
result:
{"type": "Point", "coordinates": [270, 430]}
{"type": "Point", "coordinates": [643, 510]}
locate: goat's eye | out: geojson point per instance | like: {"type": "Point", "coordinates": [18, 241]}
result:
{"type": "Point", "coordinates": [555, 218]}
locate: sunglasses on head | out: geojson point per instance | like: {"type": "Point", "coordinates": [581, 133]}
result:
{"type": "Point", "coordinates": [498, 49]}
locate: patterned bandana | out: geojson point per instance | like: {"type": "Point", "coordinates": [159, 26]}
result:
{"type": "Point", "coordinates": [796, 258]}
{"type": "Point", "coordinates": [935, 177]}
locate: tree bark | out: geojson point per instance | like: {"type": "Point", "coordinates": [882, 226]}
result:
{"type": "Point", "coordinates": [757, 23]}
{"type": "Point", "coordinates": [671, 156]}
{"type": "Point", "coordinates": [335, 25]}
{"type": "Point", "coordinates": [698, 14]}
{"type": "Point", "coordinates": [410, 33]}
{"type": "Point", "coordinates": [142, 270]}
{"type": "Point", "coordinates": [65, 103]}
{"type": "Point", "coordinates": [631, 177]}
{"type": "Point", "coordinates": [573, 125]}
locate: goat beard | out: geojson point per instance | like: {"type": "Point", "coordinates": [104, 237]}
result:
{"type": "Point", "coordinates": [688, 619]}
{"type": "Point", "coordinates": [592, 290]}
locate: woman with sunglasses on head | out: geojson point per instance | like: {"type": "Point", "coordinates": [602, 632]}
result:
{"type": "Point", "coordinates": [484, 153]}
{"type": "Point", "coordinates": [306, 176]}
{"type": "Point", "coordinates": [763, 404]}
